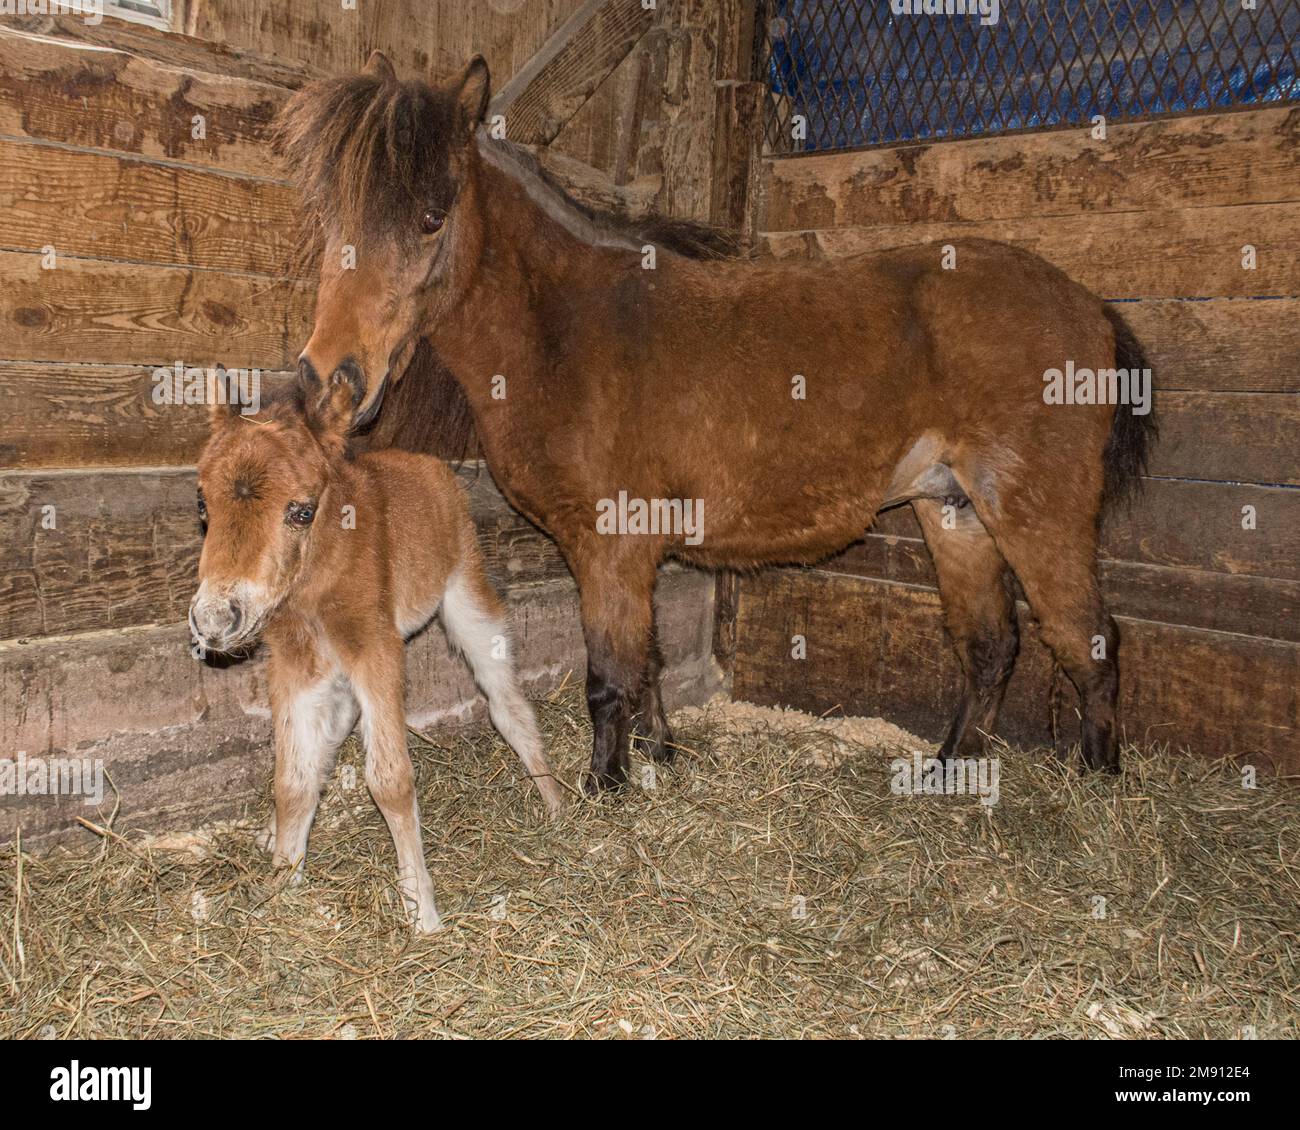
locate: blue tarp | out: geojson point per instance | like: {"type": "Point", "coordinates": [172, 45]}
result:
{"type": "Point", "coordinates": [862, 75]}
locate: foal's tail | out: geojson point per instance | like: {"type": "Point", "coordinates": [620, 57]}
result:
{"type": "Point", "coordinates": [1127, 449]}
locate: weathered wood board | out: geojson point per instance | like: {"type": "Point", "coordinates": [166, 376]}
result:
{"type": "Point", "coordinates": [92, 205]}
{"type": "Point", "coordinates": [1142, 167]}
{"type": "Point", "coordinates": [102, 97]}
{"type": "Point", "coordinates": [104, 312]}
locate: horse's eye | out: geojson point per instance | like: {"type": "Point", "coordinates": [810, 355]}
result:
{"type": "Point", "coordinates": [203, 507]}
{"type": "Point", "coordinates": [299, 513]}
{"type": "Point", "coordinates": [431, 222]}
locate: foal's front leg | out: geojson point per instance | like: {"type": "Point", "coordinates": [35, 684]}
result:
{"type": "Point", "coordinates": [616, 587]}
{"type": "Point", "coordinates": [377, 680]}
{"type": "Point", "coordinates": [312, 714]}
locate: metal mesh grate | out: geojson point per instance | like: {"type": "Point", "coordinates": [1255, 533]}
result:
{"type": "Point", "coordinates": [868, 72]}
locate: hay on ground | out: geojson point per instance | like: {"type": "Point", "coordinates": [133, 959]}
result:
{"type": "Point", "coordinates": [768, 884]}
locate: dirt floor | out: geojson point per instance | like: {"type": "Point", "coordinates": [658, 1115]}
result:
{"type": "Point", "coordinates": [771, 883]}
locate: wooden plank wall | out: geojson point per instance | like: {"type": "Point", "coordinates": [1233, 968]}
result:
{"type": "Point", "coordinates": [170, 247]}
{"type": "Point", "coordinates": [434, 38]}
{"type": "Point", "coordinates": [1154, 218]}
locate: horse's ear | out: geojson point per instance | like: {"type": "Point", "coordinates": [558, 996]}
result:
{"type": "Point", "coordinates": [378, 65]}
{"type": "Point", "coordinates": [474, 91]}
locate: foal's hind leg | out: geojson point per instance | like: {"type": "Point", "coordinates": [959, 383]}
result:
{"type": "Point", "coordinates": [980, 614]}
{"type": "Point", "coordinates": [650, 727]}
{"type": "Point", "coordinates": [1051, 544]}
{"type": "Point", "coordinates": [475, 623]}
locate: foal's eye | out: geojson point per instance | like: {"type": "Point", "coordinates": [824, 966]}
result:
{"type": "Point", "coordinates": [203, 508]}
{"type": "Point", "coordinates": [299, 513]}
{"type": "Point", "coordinates": [431, 222]}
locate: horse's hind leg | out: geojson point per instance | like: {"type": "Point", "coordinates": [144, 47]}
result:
{"type": "Point", "coordinates": [1051, 544]}
{"type": "Point", "coordinates": [979, 612]}
{"type": "Point", "coordinates": [475, 623]}
{"type": "Point", "coordinates": [649, 724]}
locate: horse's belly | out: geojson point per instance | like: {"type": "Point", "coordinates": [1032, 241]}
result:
{"type": "Point", "coordinates": [763, 531]}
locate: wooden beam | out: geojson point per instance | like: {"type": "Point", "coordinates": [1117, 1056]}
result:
{"type": "Point", "coordinates": [1181, 522]}
{"type": "Point", "coordinates": [551, 87]}
{"type": "Point", "coordinates": [593, 188]}
{"type": "Point", "coordinates": [176, 51]}
{"type": "Point", "coordinates": [1247, 157]}
{"type": "Point", "coordinates": [737, 157]}
{"type": "Point", "coordinates": [69, 415]}
{"type": "Point", "coordinates": [1198, 598]}
{"type": "Point", "coordinates": [1236, 345]}
{"type": "Point", "coordinates": [100, 97]}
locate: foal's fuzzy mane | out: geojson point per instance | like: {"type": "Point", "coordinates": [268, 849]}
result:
{"type": "Point", "coordinates": [369, 153]}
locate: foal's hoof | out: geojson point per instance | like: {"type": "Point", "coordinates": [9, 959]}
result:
{"type": "Point", "coordinates": [426, 920]}
{"type": "Point", "coordinates": [265, 837]}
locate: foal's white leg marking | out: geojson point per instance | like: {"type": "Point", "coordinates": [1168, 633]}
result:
{"type": "Point", "coordinates": [308, 734]}
{"type": "Point", "coordinates": [484, 640]}
{"type": "Point", "coordinates": [391, 781]}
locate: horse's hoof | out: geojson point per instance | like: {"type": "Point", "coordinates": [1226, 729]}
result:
{"type": "Point", "coordinates": [659, 747]}
{"type": "Point", "coordinates": [594, 784]}
{"type": "Point", "coordinates": [663, 749]}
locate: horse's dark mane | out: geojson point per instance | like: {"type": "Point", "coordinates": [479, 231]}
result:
{"type": "Point", "coordinates": [690, 238]}
{"type": "Point", "coordinates": [369, 153]}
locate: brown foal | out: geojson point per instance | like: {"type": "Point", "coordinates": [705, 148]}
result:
{"type": "Point", "coordinates": [335, 561]}
{"type": "Point", "coordinates": [791, 401]}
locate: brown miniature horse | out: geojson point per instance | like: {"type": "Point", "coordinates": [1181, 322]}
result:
{"type": "Point", "coordinates": [334, 561]}
{"type": "Point", "coordinates": [790, 401]}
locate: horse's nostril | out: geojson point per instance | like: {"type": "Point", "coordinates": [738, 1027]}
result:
{"type": "Point", "coordinates": [236, 617]}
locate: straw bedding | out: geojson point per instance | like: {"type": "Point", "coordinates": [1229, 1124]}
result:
{"type": "Point", "coordinates": [768, 884]}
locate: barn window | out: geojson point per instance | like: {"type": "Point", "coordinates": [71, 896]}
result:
{"type": "Point", "coordinates": [846, 73]}
{"type": "Point", "coordinates": [155, 13]}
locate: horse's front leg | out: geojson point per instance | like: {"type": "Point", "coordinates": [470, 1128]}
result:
{"type": "Point", "coordinates": [615, 578]}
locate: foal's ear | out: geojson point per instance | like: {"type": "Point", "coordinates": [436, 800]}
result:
{"type": "Point", "coordinates": [378, 65]}
{"type": "Point", "coordinates": [330, 408]}
{"type": "Point", "coordinates": [474, 91]}
{"type": "Point", "coordinates": [222, 407]}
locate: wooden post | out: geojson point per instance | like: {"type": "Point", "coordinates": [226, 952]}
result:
{"type": "Point", "coordinates": [553, 85]}
{"type": "Point", "coordinates": [739, 105]}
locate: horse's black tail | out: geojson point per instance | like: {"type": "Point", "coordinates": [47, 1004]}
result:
{"type": "Point", "coordinates": [1131, 435]}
